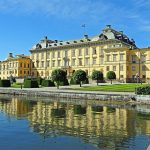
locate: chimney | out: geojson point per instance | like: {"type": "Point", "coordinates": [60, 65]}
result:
{"type": "Point", "coordinates": [45, 37]}
{"type": "Point", "coordinates": [108, 26]}
{"type": "Point", "coordinates": [86, 36]}
{"type": "Point", "coordinates": [121, 32]}
{"type": "Point", "coordinates": [10, 55]}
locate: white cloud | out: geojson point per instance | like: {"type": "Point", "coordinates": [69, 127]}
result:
{"type": "Point", "coordinates": [63, 8]}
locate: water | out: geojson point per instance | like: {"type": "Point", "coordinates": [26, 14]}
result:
{"type": "Point", "coordinates": [48, 124]}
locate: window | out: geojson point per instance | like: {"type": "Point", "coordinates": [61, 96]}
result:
{"type": "Point", "coordinates": [86, 51]}
{"type": "Point", "coordinates": [59, 63]}
{"type": "Point", "coordinates": [42, 55]}
{"type": "Point", "coordinates": [144, 76]}
{"type": "Point", "coordinates": [53, 55]}
{"type": "Point", "coordinates": [24, 72]}
{"type": "Point", "coordinates": [73, 53]}
{"type": "Point", "coordinates": [107, 68]}
{"type": "Point", "coordinates": [114, 57]}
{"type": "Point", "coordinates": [41, 73]}
{"type": "Point", "coordinates": [121, 76]}
{"type": "Point", "coordinates": [48, 63]}
{"type": "Point", "coordinates": [143, 68]}
{"type": "Point", "coordinates": [20, 64]}
{"type": "Point", "coordinates": [73, 62]}
{"type": "Point", "coordinates": [37, 64]}
{"type": "Point", "coordinates": [94, 61]}
{"type": "Point", "coordinates": [87, 61]}
{"type": "Point", "coordinates": [33, 65]}
{"type": "Point", "coordinates": [32, 56]}
{"type": "Point", "coordinates": [42, 64]}
{"type": "Point", "coordinates": [121, 57]}
{"type": "Point", "coordinates": [24, 65]}
{"type": "Point", "coordinates": [80, 62]}
{"type": "Point", "coordinates": [133, 68]}
{"type": "Point", "coordinates": [121, 67]}
{"type": "Point", "coordinates": [66, 53]}
{"type": "Point", "coordinates": [108, 58]}
{"type": "Point", "coordinates": [114, 68]}
{"type": "Point", "coordinates": [94, 50]}
{"type": "Point", "coordinates": [143, 58]}
{"type": "Point", "coordinates": [53, 63]}
{"type": "Point", "coordinates": [58, 54]}
{"type": "Point", "coordinates": [102, 52]}
{"type": "Point", "coordinates": [48, 55]}
{"type": "Point", "coordinates": [20, 71]}
{"type": "Point", "coordinates": [133, 58]}
{"type": "Point", "coordinates": [37, 56]}
{"type": "Point", "coordinates": [80, 52]}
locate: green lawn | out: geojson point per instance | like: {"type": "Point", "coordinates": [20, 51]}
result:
{"type": "Point", "coordinates": [113, 88]}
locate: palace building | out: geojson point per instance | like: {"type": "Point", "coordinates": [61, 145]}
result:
{"type": "Point", "coordinates": [18, 66]}
{"type": "Point", "coordinates": [111, 50]}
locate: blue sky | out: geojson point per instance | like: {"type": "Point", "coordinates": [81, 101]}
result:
{"type": "Point", "coordinates": [24, 23]}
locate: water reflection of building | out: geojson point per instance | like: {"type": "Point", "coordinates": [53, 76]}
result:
{"type": "Point", "coordinates": [93, 123]}
{"type": "Point", "coordinates": [15, 107]}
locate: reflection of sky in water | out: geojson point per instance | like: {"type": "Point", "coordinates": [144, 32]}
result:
{"type": "Point", "coordinates": [33, 125]}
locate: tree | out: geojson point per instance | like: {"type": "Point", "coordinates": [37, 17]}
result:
{"type": "Point", "coordinates": [79, 76]}
{"type": "Point", "coordinates": [97, 75]}
{"type": "Point", "coordinates": [58, 76]}
{"type": "Point", "coordinates": [111, 75]}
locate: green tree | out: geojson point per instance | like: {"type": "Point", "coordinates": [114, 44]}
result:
{"type": "Point", "coordinates": [79, 76]}
{"type": "Point", "coordinates": [97, 75]}
{"type": "Point", "coordinates": [111, 75]}
{"type": "Point", "coordinates": [58, 76]}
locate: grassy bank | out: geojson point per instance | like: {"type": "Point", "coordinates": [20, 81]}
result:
{"type": "Point", "coordinates": [113, 88]}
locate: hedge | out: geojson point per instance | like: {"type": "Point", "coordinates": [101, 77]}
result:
{"type": "Point", "coordinates": [31, 84]}
{"type": "Point", "coordinates": [145, 90]}
{"type": "Point", "coordinates": [65, 82]}
{"type": "Point", "coordinates": [47, 83]}
{"type": "Point", "coordinates": [5, 83]}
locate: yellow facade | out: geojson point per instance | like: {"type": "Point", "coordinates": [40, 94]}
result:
{"type": "Point", "coordinates": [109, 51]}
{"type": "Point", "coordinates": [18, 67]}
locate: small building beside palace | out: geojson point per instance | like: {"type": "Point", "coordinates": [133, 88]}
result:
{"type": "Point", "coordinates": [110, 50]}
{"type": "Point", "coordinates": [18, 66]}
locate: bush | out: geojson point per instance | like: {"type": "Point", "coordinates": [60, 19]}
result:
{"type": "Point", "coordinates": [145, 90]}
{"type": "Point", "coordinates": [65, 82]}
{"type": "Point", "coordinates": [48, 83]}
{"type": "Point", "coordinates": [39, 80]}
{"type": "Point", "coordinates": [31, 84]}
{"type": "Point", "coordinates": [5, 83]}
{"type": "Point", "coordinates": [86, 81]}
{"type": "Point", "coordinates": [72, 82]}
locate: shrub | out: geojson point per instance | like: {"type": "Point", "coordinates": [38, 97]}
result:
{"type": "Point", "coordinates": [39, 80]}
{"type": "Point", "coordinates": [30, 83]}
{"type": "Point", "coordinates": [97, 75]}
{"type": "Point", "coordinates": [5, 83]}
{"type": "Point", "coordinates": [48, 83]}
{"type": "Point", "coordinates": [111, 75]}
{"type": "Point", "coordinates": [145, 90]}
{"type": "Point", "coordinates": [72, 82]}
{"type": "Point", "coordinates": [86, 81]}
{"type": "Point", "coordinates": [65, 82]}
{"type": "Point", "coordinates": [58, 75]}
{"type": "Point", "coordinates": [79, 75]}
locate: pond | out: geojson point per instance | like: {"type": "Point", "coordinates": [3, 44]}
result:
{"type": "Point", "coordinates": [64, 124]}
